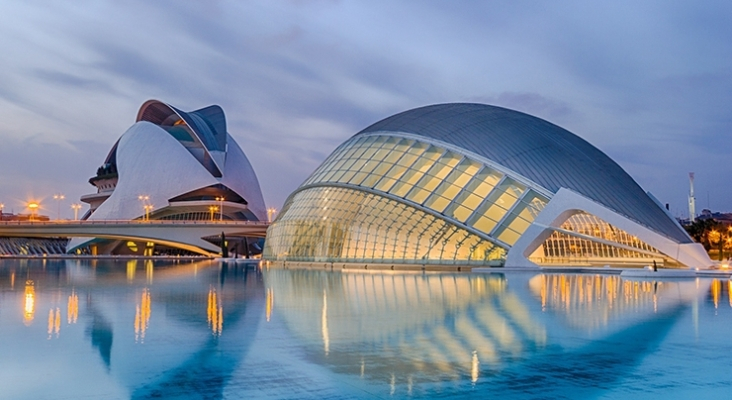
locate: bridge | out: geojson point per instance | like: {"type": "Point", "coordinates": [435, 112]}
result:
{"type": "Point", "coordinates": [187, 235]}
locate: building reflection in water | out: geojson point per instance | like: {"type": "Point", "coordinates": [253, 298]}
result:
{"type": "Point", "coordinates": [142, 315]}
{"type": "Point", "coordinates": [590, 302]}
{"type": "Point", "coordinates": [402, 327]}
{"type": "Point", "coordinates": [717, 290]}
{"type": "Point", "coordinates": [406, 325]}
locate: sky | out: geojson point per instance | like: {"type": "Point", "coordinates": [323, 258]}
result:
{"type": "Point", "coordinates": [649, 83]}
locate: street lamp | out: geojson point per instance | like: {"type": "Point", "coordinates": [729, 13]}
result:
{"type": "Point", "coordinates": [58, 197]}
{"type": "Point", "coordinates": [270, 213]}
{"type": "Point", "coordinates": [212, 210]}
{"type": "Point", "coordinates": [221, 209]}
{"type": "Point", "coordinates": [1, 211]}
{"type": "Point", "coordinates": [76, 208]}
{"type": "Point", "coordinates": [144, 199]}
{"type": "Point", "coordinates": [33, 206]}
{"type": "Point", "coordinates": [148, 208]}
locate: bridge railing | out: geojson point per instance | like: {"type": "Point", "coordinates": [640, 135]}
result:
{"type": "Point", "coordinates": [130, 222]}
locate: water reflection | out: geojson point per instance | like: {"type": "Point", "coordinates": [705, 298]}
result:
{"type": "Point", "coordinates": [29, 309]}
{"type": "Point", "coordinates": [333, 333]}
{"type": "Point", "coordinates": [403, 328]}
{"type": "Point", "coordinates": [175, 348]}
{"type": "Point", "coordinates": [142, 315]}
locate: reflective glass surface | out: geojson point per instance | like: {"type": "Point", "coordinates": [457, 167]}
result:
{"type": "Point", "coordinates": [461, 189]}
{"type": "Point", "coordinates": [340, 224]}
{"type": "Point", "coordinates": [575, 244]}
{"type": "Point", "coordinates": [120, 330]}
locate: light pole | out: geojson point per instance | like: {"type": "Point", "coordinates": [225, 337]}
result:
{"type": "Point", "coordinates": [221, 199]}
{"type": "Point", "coordinates": [144, 199]}
{"type": "Point", "coordinates": [148, 208]}
{"type": "Point", "coordinates": [212, 210]}
{"type": "Point", "coordinates": [76, 208]}
{"type": "Point", "coordinates": [270, 213]}
{"type": "Point", "coordinates": [2, 206]}
{"type": "Point", "coordinates": [58, 197]}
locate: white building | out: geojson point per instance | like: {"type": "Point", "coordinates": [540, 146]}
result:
{"type": "Point", "coordinates": [173, 165]}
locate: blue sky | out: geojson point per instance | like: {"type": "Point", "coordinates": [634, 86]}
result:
{"type": "Point", "coordinates": [649, 83]}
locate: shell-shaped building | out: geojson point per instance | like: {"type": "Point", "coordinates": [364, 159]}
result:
{"type": "Point", "coordinates": [472, 184]}
{"type": "Point", "coordinates": [173, 165]}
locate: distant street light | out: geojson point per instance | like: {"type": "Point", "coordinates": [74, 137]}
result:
{"type": "Point", "coordinates": [221, 207]}
{"type": "Point", "coordinates": [270, 213]}
{"type": "Point", "coordinates": [212, 210]}
{"type": "Point", "coordinates": [1, 210]}
{"type": "Point", "coordinates": [148, 208]}
{"type": "Point", "coordinates": [33, 206]}
{"type": "Point", "coordinates": [76, 208]}
{"type": "Point", "coordinates": [144, 199]}
{"type": "Point", "coordinates": [58, 197]}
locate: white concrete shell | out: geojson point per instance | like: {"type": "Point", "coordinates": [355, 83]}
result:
{"type": "Point", "coordinates": [153, 162]}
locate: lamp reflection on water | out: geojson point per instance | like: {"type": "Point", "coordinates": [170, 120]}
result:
{"type": "Point", "coordinates": [142, 316]}
{"type": "Point", "coordinates": [72, 308]}
{"type": "Point", "coordinates": [29, 309]}
{"type": "Point", "coordinates": [269, 304]}
{"type": "Point", "coordinates": [215, 313]}
{"type": "Point", "coordinates": [54, 322]}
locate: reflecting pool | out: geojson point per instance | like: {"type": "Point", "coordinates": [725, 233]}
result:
{"type": "Point", "coordinates": [74, 329]}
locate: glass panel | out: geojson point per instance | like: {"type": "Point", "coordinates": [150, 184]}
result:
{"type": "Point", "coordinates": [407, 160]}
{"type": "Point", "coordinates": [484, 182]}
{"type": "Point", "coordinates": [469, 200]}
{"type": "Point", "coordinates": [401, 189]}
{"type": "Point", "coordinates": [385, 184]}
{"type": "Point", "coordinates": [418, 195]}
{"type": "Point", "coordinates": [428, 182]}
{"type": "Point", "coordinates": [484, 224]}
{"type": "Point", "coordinates": [458, 212]}
{"type": "Point", "coordinates": [447, 190]}
{"type": "Point", "coordinates": [437, 203]}
{"type": "Point", "coordinates": [509, 237]}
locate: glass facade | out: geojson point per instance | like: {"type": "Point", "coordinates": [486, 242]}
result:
{"type": "Point", "coordinates": [342, 224]}
{"type": "Point", "coordinates": [573, 244]}
{"type": "Point", "coordinates": [462, 189]}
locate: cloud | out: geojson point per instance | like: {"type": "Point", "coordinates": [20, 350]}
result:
{"type": "Point", "coordinates": [648, 83]}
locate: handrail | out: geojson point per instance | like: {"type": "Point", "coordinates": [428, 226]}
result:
{"type": "Point", "coordinates": [130, 222]}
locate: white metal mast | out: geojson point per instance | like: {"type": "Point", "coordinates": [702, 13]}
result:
{"type": "Point", "coordinates": [692, 199]}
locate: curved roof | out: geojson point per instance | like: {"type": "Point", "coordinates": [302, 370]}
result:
{"type": "Point", "coordinates": [207, 124]}
{"type": "Point", "coordinates": [549, 155]}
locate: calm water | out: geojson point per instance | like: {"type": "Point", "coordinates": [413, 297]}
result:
{"type": "Point", "coordinates": [84, 330]}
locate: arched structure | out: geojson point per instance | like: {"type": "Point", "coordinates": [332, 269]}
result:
{"type": "Point", "coordinates": [462, 184]}
{"type": "Point", "coordinates": [174, 165]}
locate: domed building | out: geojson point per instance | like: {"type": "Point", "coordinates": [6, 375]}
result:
{"type": "Point", "coordinates": [172, 165]}
{"type": "Point", "coordinates": [475, 185]}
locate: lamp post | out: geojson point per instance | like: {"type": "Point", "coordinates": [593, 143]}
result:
{"type": "Point", "coordinates": [2, 206]}
{"type": "Point", "coordinates": [148, 208]}
{"type": "Point", "coordinates": [212, 210]}
{"type": "Point", "coordinates": [58, 197]}
{"type": "Point", "coordinates": [270, 213]}
{"type": "Point", "coordinates": [33, 206]}
{"type": "Point", "coordinates": [221, 199]}
{"type": "Point", "coordinates": [144, 199]}
{"type": "Point", "coordinates": [76, 208]}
